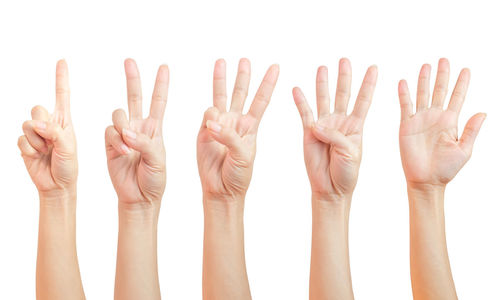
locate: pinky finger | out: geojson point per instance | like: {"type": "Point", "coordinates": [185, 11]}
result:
{"type": "Point", "coordinates": [304, 109]}
{"type": "Point", "coordinates": [25, 147]}
{"type": "Point", "coordinates": [114, 139]}
{"type": "Point", "coordinates": [404, 100]}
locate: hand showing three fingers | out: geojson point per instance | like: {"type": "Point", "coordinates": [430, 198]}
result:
{"type": "Point", "coordinates": [332, 144]}
{"type": "Point", "coordinates": [134, 147]}
{"type": "Point", "coordinates": [227, 139]}
{"type": "Point", "coordinates": [431, 152]}
{"type": "Point", "coordinates": [48, 145]}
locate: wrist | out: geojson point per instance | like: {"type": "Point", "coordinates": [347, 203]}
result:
{"type": "Point", "coordinates": [329, 206]}
{"type": "Point", "coordinates": [425, 191]}
{"type": "Point", "coordinates": [59, 198]}
{"type": "Point", "coordinates": [138, 213]}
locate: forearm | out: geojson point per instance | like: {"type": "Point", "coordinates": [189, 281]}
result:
{"type": "Point", "coordinates": [224, 270]}
{"type": "Point", "coordinates": [136, 264]}
{"type": "Point", "coordinates": [330, 276]}
{"type": "Point", "coordinates": [430, 267]}
{"type": "Point", "coordinates": [57, 271]}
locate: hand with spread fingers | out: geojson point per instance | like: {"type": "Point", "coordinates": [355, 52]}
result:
{"type": "Point", "coordinates": [332, 144]}
{"type": "Point", "coordinates": [227, 139]}
{"type": "Point", "coordinates": [432, 154]}
{"type": "Point", "coordinates": [226, 150]}
{"type": "Point", "coordinates": [136, 164]}
{"type": "Point", "coordinates": [332, 153]}
{"type": "Point", "coordinates": [48, 148]}
{"type": "Point", "coordinates": [431, 151]}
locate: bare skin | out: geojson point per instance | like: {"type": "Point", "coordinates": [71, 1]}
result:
{"type": "Point", "coordinates": [226, 150]}
{"type": "Point", "coordinates": [332, 154]}
{"type": "Point", "coordinates": [48, 148]}
{"type": "Point", "coordinates": [432, 154]}
{"type": "Point", "coordinates": [136, 164]}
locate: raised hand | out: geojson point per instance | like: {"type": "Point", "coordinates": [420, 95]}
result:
{"type": "Point", "coordinates": [227, 139]}
{"type": "Point", "coordinates": [332, 144]}
{"type": "Point", "coordinates": [431, 151]}
{"type": "Point", "coordinates": [136, 164]}
{"type": "Point", "coordinates": [226, 152]}
{"type": "Point", "coordinates": [134, 147]}
{"type": "Point", "coordinates": [48, 145]}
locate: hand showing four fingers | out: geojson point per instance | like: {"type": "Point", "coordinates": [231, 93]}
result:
{"type": "Point", "coordinates": [431, 152]}
{"type": "Point", "coordinates": [134, 147]}
{"type": "Point", "coordinates": [332, 144]}
{"type": "Point", "coordinates": [48, 145]}
{"type": "Point", "coordinates": [227, 139]}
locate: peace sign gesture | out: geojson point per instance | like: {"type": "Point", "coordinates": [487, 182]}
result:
{"type": "Point", "coordinates": [134, 146]}
{"type": "Point", "coordinates": [227, 139]}
{"type": "Point", "coordinates": [48, 145]}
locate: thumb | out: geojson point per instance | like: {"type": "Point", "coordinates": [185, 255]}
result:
{"type": "Point", "coordinates": [54, 133]}
{"type": "Point", "coordinates": [332, 136]}
{"type": "Point", "coordinates": [141, 143]}
{"type": "Point", "coordinates": [229, 138]}
{"type": "Point", "coordinates": [471, 130]}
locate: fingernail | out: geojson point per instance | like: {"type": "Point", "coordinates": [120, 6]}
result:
{"type": "Point", "coordinates": [214, 126]}
{"type": "Point", "coordinates": [40, 125]}
{"type": "Point", "coordinates": [125, 149]}
{"type": "Point", "coordinates": [129, 133]}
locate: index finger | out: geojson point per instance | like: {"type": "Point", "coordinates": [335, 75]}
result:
{"type": "Point", "coordinates": [62, 88]}
{"type": "Point", "coordinates": [134, 91]}
{"type": "Point", "coordinates": [160, 92]}
{"type": "Point", "coordinates": [264, 92]}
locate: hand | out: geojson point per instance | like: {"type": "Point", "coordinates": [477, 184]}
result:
{"type": "Point", "coordinates": [48, 145]}
{"type": "Point", "coordinates": [135, 150]}
{"type": "Point", "coordinates": [431, 152]}
{"type": "Point", "coordinates": [227, 139]}
{"type": "Point", "coordinates": [332, 144]}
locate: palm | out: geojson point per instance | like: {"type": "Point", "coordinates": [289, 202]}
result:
{"type": "Point", "coordinates": [134, 180]}
{"type": "Point", "coordinates": [222, 173]}
{"type": "Point", "coordinates": [332, 144]}
{"type": "Point", "coordinates": [431, 151]}
{"type": "Point", "coordinates": [332, 169]}
{"type": "Point", "coordinates": [134, 146]}
{"type": "Point", "coordinates": [226, 142]}
{"type": "Point", "coordinates": [429, 147]}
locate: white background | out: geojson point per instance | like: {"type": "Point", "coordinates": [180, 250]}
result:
{"type": "Point", "coordinates": [96, 36]}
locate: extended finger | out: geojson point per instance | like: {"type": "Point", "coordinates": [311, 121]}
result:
{"type": "Point", "coordinates": [322, 92]}
{"type": "Point", "coordinates": [134, 90]}
{"type": "Point", "coordinates": [365, 95]}
{"type": "Point", "coordinates": [264, 93]}
{"type": "Point", "coordinates": [405, 100]}
{"type": "Point", "coordinates": [471, 131]}
{"type": "Point", "coordinates": [160, 93]}
{"type": "Point", "coordinates": [458, 96]}
{"type": "Point", "coordinates": [441, 85]}
{"type": "Point", "coordinates": [240, 91]}
{"type": "Point", "coordinates": [62, 89]}
{"type": "Point", "coordinates": [303, 107]}
{"type": "Point", "coordinates": [423, 88]}
{"type": "Point", "coordinates": [219, 85]}
{"type": "Point", "coordinates": [343, 92]}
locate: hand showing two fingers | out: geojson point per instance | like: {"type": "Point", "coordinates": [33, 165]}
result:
{"type": "Point", "coordinates": [134, 147]}
{"type": "Point", "coordinates": [227, 139]}
{"type": "Point", "coordinates": [48, 145]}
{"type": "Point", "coordinates": [332, 144]}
